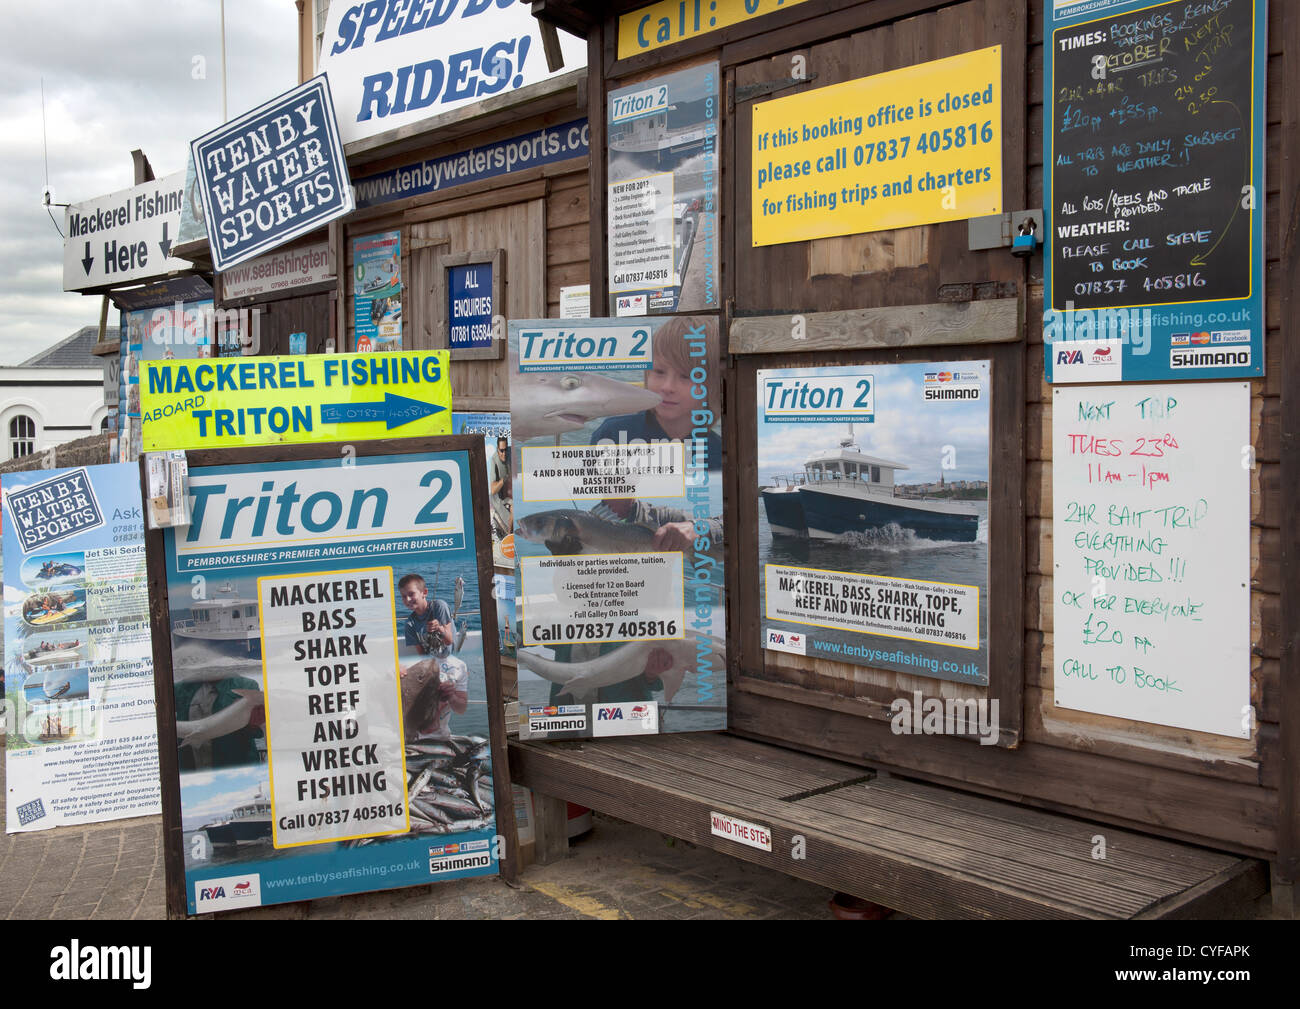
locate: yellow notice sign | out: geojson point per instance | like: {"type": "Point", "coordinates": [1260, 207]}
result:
{"type": "Point", "coordinates": [222, 402]}
{"type": "Point", "coordinates": [913, 146]}
{"type": "Point", "coordinates": [671, 21]}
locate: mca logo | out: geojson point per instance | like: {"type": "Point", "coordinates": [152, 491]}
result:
{"type": "Point", "coordinates": [244, 887]}
{"type": "Point", "coordinates": [1101, 354]}
{"type": "Point", "coordinates": [212, 893]}
{"type": "Point", "coordinates": [794, 639]}
{"type": "Point", "coordinates": [609, 714]}
{"type": "Point", "coordinates": [640, 711]}
{"type": "Point", "coordinates": [1069, 357]}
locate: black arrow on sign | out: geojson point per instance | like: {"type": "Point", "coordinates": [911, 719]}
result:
{"type": "Point", "coordinates": [166, 243]}
{"type": "Point", "coordinates": [88, 260]}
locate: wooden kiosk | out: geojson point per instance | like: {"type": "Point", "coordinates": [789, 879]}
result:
{"type": "Point", "coordinates": [937, 825]}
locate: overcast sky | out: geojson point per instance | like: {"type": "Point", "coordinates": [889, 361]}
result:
{"type": "Point", "coordinates": [118, 76]}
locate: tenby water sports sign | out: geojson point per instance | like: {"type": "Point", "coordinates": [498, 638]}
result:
{"type": "Point", "coordinates": [272, 174]}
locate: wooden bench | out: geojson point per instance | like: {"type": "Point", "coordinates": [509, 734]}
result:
{"type": "Point", "coordinates": [927, 851]}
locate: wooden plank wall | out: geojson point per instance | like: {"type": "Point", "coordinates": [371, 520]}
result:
{"type": "Point", "coordinates": [277, 319]}
{"type": "Point", "coordinates": [538, 217]}
{"type": "Point", "coordinates": [902, 267]}
{"type": "Point", "coordinates": [1188, 785]}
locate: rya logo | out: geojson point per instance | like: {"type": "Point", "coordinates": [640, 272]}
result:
{"type": "Point", "coordinates": [609, 714]}
{"type": "Point", "coordinates": [1069, 357]}
{"type": "Point", "coordinates": [212, 892]}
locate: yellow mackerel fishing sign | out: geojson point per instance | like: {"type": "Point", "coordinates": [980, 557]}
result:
{"type": "Point", "coordinates": [224, 402]}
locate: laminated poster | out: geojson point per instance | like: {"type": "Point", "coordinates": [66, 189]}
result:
{"type": "Point", "coordinates": [329, 679]}
{"type": "Point", "coordinates": [663, 194]}
{"type": "Point", "coordinates": [618, 526]}
{"type": "Point", "coordinates": [495, 430]}
{"type": "Point", "coordinates": [377, 292]}
{"type": "Point", "coordinates": [873, 523]}
{"type": "Point", "coordinates": [81, 742]}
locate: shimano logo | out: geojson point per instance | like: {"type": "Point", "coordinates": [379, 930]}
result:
{"type": "Point", "coordinates": [452, 863]}
{"type": "Point", "coordinates": [556, 724]}
{"type": "Point", "coordinates": [1209, 358]}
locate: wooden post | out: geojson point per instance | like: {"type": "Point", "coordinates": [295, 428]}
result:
{"type": "Point", "coordinates": [550, 828]}
{"type": "Point", "coordinates": [1287, 867]}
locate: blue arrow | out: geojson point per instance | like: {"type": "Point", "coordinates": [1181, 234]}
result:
{"type": "Point", "coordinates": [394, 411]}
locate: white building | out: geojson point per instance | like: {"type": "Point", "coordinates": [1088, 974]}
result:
{"type": "Point", "coordinates": [53, 397]}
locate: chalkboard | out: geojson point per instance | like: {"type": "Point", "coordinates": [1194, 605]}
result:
{"type": "Point", "coordinates": [1149, 162]}
{"type": "Point", "coordinates": [1154, 151]}
{"type": "Point", "coordinates": [1151, 533]}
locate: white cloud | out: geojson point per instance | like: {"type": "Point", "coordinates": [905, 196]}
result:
{"type": "Point", "coordinates": [118, 76]}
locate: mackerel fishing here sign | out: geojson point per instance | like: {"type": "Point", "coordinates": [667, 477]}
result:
{"type": "Point", "coordinates": [294, 399]}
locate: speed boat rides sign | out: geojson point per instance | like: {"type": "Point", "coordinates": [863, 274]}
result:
{"type": "Point", "coordinates": [873, 529]}
{"type": "Point", "coordinates": [272, 174]}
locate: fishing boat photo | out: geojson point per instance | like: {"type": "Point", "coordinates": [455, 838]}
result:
{"type": "Point", "coordinates": [843, 490]}
{"type": "Point", "coordinates": [249, 823]}
{"type": "Point", "coordinates": [226, 622]}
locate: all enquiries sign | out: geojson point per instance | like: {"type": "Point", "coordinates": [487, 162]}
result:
{"type": "Point", "coordinates": [273, 174]}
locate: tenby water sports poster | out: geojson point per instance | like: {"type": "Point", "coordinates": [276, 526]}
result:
{"type": "Point", "coordinates": [618, 526]}
{"type": "Point", "coordinates": [873, 519]}
{"type": "Point", "coordinates": [80, 743]}
{"type": "Point", "coordinates": [333, 718]}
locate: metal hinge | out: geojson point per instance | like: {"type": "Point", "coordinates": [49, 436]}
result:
{"type": "Point", "coordinates": [748, 92]}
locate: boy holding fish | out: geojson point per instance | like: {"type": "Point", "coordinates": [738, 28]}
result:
{"type": "Point", "coordinates": [438, 687]}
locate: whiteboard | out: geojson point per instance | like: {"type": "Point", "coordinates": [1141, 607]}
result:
{"type": "Point", "coordinates": [1151, 531]}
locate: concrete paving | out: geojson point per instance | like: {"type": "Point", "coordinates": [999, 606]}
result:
{"type": "Point", "coordinates": [114, 871]}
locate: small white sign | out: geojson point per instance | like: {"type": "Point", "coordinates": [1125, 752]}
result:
{"type": "Point", "coordinates": [575, 472]}
{"type": "Point", "coordinates": [630, 304]}
{"type": "Point", "coordinates": [228, 893]}
{"type": "Point", "coordinates": [626, 718]}
{"type": "Point", "coordinates": [279, 271]}
{"type": "Point", "coordinates": [785, 641]}
{"type": "Point", "coordinates": [945, 613]}
{"type": "Point", "coordinates": [641, 230]}
{"type": "Point", "coordinates": [575, 302]}
{"type": "Point", "coordinates": [125, 236]}
{"type": "Point", "coordinates": [334, 705]}
{"type": "Point", "coordinates": [741, 831]}
{"type": "Point", "coordinates": [1088, 361]}
{"type": "Point", "coordinates": [601, 597]}
{"type": "Point", "coordinates": [539, 723]}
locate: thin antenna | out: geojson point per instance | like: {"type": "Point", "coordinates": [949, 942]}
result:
{"type": "Point", "coordinates": [45, 138]}
{"type": "Point", "coordinates": [224, 116]}
{"type": "Point", "coordinates": [45, 143]}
